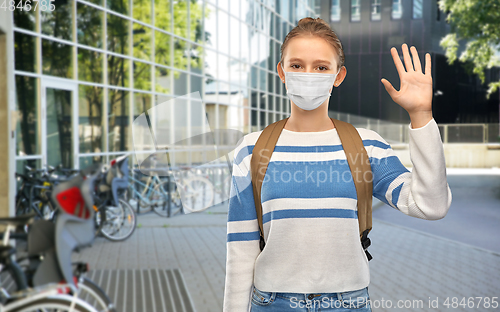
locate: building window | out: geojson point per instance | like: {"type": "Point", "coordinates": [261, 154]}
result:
{"type": "Point", "coordinates": [417, 9]}
{"type": "Point", "coordinates": [355, 11]}
{"type": "Point", "coordinates": [376, 10]}
{"type": "Point", "coordinates": [335, 17]}
{"type": "Point", "coordinates": [397, 9]}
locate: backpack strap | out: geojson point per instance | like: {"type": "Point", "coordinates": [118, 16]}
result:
{"type": "Point", "coordinates": [258, 165]}
{"type": "Point", "coordinates": [361, 171]}
{"type": "Point", "coordinates": [357, 159]}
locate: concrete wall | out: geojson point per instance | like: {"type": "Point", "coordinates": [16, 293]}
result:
{"type": "Point", "coordinates": [459, 155]}
{"type": "Point", "coordinates": [7, 92]}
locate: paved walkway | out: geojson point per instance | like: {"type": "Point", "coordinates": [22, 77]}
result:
{"type": "Point", "coordinates": [408, 264]}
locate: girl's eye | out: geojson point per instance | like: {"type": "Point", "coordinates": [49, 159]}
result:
{"type": "Point", "coordinates": [322, 68]}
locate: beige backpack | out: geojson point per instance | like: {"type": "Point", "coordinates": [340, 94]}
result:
{"type": "Point", "coordinates": [357, 158]}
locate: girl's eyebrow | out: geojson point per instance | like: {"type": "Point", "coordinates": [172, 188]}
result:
{"type": "Point", "coordinates": [296, 59]}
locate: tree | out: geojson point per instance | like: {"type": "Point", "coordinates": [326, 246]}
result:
{"type": "Point", "coordinates": [477, 22]}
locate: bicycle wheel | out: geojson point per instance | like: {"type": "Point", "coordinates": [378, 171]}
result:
{"type": "Point", "coordinates": [88, 291]}
{"type": "Point", "coordinates": [159, 199]}
{"type": "Point", "coordinates": [197, 194]}
{"type": "Point", "coordinates": [120, 221]}
{"type": "Point", "coordinates": [59, 303]}
{"type": "Point", "coordinates": [91, 293]}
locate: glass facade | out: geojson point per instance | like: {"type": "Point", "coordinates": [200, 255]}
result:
{"type": "Point", "coordinates": [118, 58]}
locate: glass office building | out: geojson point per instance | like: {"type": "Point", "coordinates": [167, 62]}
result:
{"type": "Point", "coordinates": [87, 69]}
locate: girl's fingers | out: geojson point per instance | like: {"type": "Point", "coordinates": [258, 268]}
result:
{"type": "Point", "coordinates": [397, 61]}
{"type": "Point", "coordinates": [407, 58]}
{"type": "Point", "coordinates": [427, 64]}
{"type": "Point", "coordinates": [416, 60]}
{"type": "Point", "coordinates": [390, 89]}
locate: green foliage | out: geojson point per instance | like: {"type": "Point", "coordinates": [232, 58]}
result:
{"type": "Point", "coordinates": [478, 23]}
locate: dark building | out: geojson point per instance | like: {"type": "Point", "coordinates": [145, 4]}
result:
{"type": "Point", "coordinates": [369, 28]}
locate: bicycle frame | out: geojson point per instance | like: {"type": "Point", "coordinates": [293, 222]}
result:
{"type": "Point", "coordinates": [149, 185]}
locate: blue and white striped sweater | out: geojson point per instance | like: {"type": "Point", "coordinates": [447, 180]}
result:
{"type": "Point", "coordinates": [310, 214]}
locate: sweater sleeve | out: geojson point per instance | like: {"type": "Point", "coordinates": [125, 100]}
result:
{"type": "Point", "coordinates": [242, 234]}
{"type": "Point", "coordinates": [422, 193]}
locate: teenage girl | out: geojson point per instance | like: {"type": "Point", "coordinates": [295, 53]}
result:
{"type": "Point", "coordinates": [313, 259]}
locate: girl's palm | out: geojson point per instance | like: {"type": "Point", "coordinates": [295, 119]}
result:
{"type": "Point", "coordinates": [415, 92]}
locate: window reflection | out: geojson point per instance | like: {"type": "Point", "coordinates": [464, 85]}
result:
{"type": "Point", "coordinates": [142, 11]}
{"type": "Point", "coordinates": [118, 30]}
{"type": "Point", "coordinates": [120, 6]}
{"type": "Point", "coordinates": [56, 59]}
{"type": "Point", "coordinates": [24, 47]}
{"type": "Point", "coordinates": [58, 23]}
{"type": "Point", "coordinates": [118, 120]}
{"type": "Point", "coordinates": [163, 16]}
{"type": "Point", "coordinates": [98, 2]}
{"type": "Point", "coordinates": [32, 163]}
{"type": "Point", "coordinates": [24, 19]}
{"type": "Point", "coordinates": [195, 20]}
{"type": "Point", "coordinates": [180, 18]}
{"type": "Point", "coordinates": [180, 83]}
{"type": "Point", "coordinates": [180, 53]}
{"type": "Point", "coordinates": [89, 25]}
{"type": "Point", "coordinates": [162, 80]}
{"type": "Point", "coordinates": [162, 48]}
{"type": "Point", "coordinates": [59, 127]}
{"type": "Point", "coordinates": [84, 162]}
{"type": "Point", "coordinates": [142, 41]}
{"type": "Point", "coordinates": [142, 76]}
{"type": "Point", "coordinates": [142, 103]}
{"type": "Point", "coordinates": [27, 116]}
{"type": "Point", "coordinates": [89, 65]}
{"type": "Point", "coordinates": [118, 71]}
{"type": "Point", "coordinates": [90, 119]}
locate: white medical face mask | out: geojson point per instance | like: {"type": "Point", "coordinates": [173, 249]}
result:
{"type": "Point", "coordinates": [308, 90]}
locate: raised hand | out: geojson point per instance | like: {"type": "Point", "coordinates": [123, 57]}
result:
{"type": "Point", "coordinates": [415, 92]}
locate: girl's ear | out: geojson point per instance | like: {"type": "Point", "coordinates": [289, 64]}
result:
{"type": "Point", "coordinates": [340, 77]}
{"type": "Point", "coordinates": [279, 67]}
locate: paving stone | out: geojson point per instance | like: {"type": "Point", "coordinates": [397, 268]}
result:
{"type": "Point", "coordinates": [407, 265]}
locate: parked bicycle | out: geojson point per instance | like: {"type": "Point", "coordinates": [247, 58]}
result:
{"type": "Point", "coordinates": [115, 218]}
{"type": "Point", "coordinates": [73, 229]}
{"type": "Point", "coordinates": [34, 191]}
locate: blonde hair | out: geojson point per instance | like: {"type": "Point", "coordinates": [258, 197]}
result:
{"type": "Point", "coordinates": [316, 27]}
